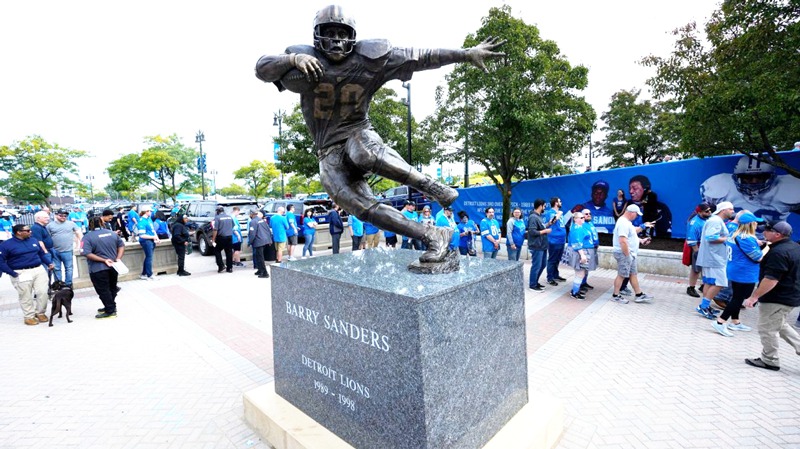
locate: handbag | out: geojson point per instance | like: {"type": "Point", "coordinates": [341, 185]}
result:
{"type": "Point", "coordinates": [471, 247]}
{"type": "Point", "coordinates": [687, 254]}
{"type": "Point", "coordinates": [189, 248]}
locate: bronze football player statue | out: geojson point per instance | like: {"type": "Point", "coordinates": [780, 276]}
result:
{"type": "Point", "coordinates": [336, 79]}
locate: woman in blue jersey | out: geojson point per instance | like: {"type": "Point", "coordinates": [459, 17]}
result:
{"type": "Point", "coordinates": [515, 234]}
{"type": "Point", "coordinates": [309, 231]}
{"type": "Point", "coordinates": [744, 255]}
{"type": "Point", "coordinates": [160, 224]}
{"type": "Point", "coordinates": [579, 245]}
{"type": "Point", "coordinates": [146, 233]}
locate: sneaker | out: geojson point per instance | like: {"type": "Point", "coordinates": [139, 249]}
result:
{"type": "Point", "coordinates": [739, 327]}
{"type": "Point", "coordinates": [143, 277]}
{"type": "Point", "coordinates": [220, 270]}
{"type": "Point", "coordinates": [643, 297]}
{"type": "Point", "coordinates": [758, 363]}
{"type": "Point", "coordinates": [553, 283]}
{"type": "Point", "coordinates": [152, 278]}
{"type": "Point", "coordinates": [104, 315]}
{"type": "Point", "coordinates": [587, 286]}
{"type": "Point", "coordinates": [721, 328]}
{"type": "Point", "coordinates": [579, 296]}
{"type": "Point", "coordinates": [31, 321]}
{"type": "Point", "coordinates": [626, 292]}
{"type": "Point", "coordinates": [101, 310]}
{"type": "Point", "coordinates": [41, 317]}
{"type": "Point", "coordinates": [238, 264]}
{"type": "Point", "coordinates": [583, 289]}
{"type": "Point", "coordinates": [691, 291]}
{"type": "Point", "coordinates": [706, 312]}
{"type": "Point", "coordinates": [184, 273]}
{"type": "Point", "coordinates": [619, 299]}
{"type": "Point", "coordinates": [537, 288]}
{"type": "Point", "coordinates": [559, 278]}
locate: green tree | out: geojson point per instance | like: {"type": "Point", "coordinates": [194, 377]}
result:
{"type": "Point", "coordinates": [234, 190]}
{"type": "Point", "coordinates": [741, 92]}
{"type": "Point", "coordinates": [301, 184]}
{"type": "Point", "coordinates": [166, 164]}
{"type": "Point", "coordinates": [637, 132]}
{"type": "Point", "coordinates": [389, 119]}
{"type": "Point", "coordinates": [524, 116]}
{"type": "Point", "coordinates": [34, 167]}
{"type": "Point", "coordinates": [257, 176]}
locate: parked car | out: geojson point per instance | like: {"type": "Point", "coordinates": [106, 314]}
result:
{"type": "Point", "coordinates": [398, 196]}
{"type": "Point", "coordinates": [201, 214]}
{"type": "Point", "coordinates": [320, 207]}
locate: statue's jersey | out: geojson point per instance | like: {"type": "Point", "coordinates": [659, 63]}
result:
{"type": "Point", "coordinates": [339, 103]}
{"type": "Point", "coordinates": [773, 205]}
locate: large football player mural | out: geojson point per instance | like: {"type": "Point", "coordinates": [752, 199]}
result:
{"type": "Point", "coordinates": [336, 79]}
{"type": "Point", "coordinates": [755, 186]}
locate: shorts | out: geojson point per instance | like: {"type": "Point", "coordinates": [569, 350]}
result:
{"type": "Point", "coordinates": [237, 246]}
{"type": "Point", "coordinates": [280, 247]}
{"type": "Point", "coordinates": [292, 239]}
{"type": "Point", "coordinates": [715, 276]}
{"type": "Point", "coordinates": [626, 266]}
{"type": "Point", "coordinates": [694, 262]}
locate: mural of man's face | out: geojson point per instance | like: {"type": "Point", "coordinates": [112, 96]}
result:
{"type": "Point", "coordinates": [636, 190]}
{"type": "Point", "coordinates": [599, 196]}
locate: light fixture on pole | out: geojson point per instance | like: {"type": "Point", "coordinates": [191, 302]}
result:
{"type": "Point", "coordinates": [407, 85]}
{"type": "Point", "coordinates": [201, 161]}
{"type": "Point", "coordinates": [278, 121]}
{"type": "Point", "coordinates": [90, 178]}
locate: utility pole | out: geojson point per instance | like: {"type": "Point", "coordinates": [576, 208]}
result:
{"type": "Point", "coordinates": [201, 162]}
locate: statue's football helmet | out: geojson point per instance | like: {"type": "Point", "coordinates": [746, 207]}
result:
{"type": "Point", "coordinates": [752, 176]}
{"type": "Point", "coordinates": [334, 49]}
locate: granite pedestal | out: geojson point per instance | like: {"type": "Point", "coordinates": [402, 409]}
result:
{"type": "Point", "coordinates": [385, 358]}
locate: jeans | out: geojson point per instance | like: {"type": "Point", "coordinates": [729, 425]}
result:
{"type": "Point", "coordinates": [513, 254]}
{"type": "Point", "coordinates": [148, 246]}
{"type": "Point", "coordinates": [538, 263]}
{"type": "Point", "coordinates": [555, 252]}
{"type": "Point", "coordinates": [105, 284]}
{"type": "Point", "coordinates": [63, 257]}
{"type": "Point", "coordinates": [309, 244]}
{"type": "Point", "coordinates": [490, 254]}
{"type": "Point", "coordinates": [335, 238]}
{"type": "Point", "coordinates": [411, 244]}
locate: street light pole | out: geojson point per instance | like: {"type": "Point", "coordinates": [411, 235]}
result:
{"type": "Point", "coordinates": [214, 174]}
{"type": "Point", "coordinates": [91, 188]}
{"type": "Point", "coordinates": [278, 121]}
{"type": "Point", "coordinates": [200, 138]}
{"type": "Point", "coordinates": [407, 85]}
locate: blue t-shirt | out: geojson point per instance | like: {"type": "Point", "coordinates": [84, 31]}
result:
{"type": "Point", "coordinates": [145, 227]}
{"type": "Point", "coordinates": [279, 227]}
{"type": "Point", "coordinates": [580, 237]}
{"type": "Point", "coordinates": [558, 235]}
{"type": "Point", "coordinates": [694, 230]}
{"type": "Point", "coordinates": [445, 222]}
{"type": "Point", "coordinates": [741, 266]}
{"type": "Point", "coordinates": [411, 215]}
{"type": "Point", "coordinates": [292, 221]}
{"type": "Point", "coordinates": [370, 228]}
{"type": "Point", "coordinates": [307, 229]}
{"type": "Point", "coordinates": [236, 236]}
{"type": "Point", "coordinates": [517, 233]}
{"type": "Point", "coordinates": [357, 226]}
{"type": "Point", "coordinates": [133, 217]}
{"type": "Point", "coordinates": [489, 227]}
{"type": "Point", "coordinates": [161, 226]}
{"type": "Point", "coordinates": [465, 239]}
{"type": "Point", "coordinates": [592, 234]}
{"type": "Point", "coordinates": [602, 217]}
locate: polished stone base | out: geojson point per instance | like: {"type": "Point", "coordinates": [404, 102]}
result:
{"type": "Point", "coordinates": [538, 425]}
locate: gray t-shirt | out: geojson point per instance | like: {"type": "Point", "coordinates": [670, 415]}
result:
{"type": "Point", "coordinates": [63, 234]}
{"type": "Point", "coordinates": [223, 223]}
{"type": "Point", "coordinates": [713, 255]}
{"type": "Point", "coordinates": [103, 243]}
{"type": "Point", "coordinates": [624, 228]}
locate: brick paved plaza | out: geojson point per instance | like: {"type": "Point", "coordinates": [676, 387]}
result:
{"type": "Point", "coordinates": [170, 371]}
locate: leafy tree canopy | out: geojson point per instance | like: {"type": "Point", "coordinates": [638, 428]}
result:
{"type": "Point", "coordinates": [257, 176]}
{"type": "Point", "coordinates": [741, 92]}
{"type": "Point", "coordinates": [34, 168]}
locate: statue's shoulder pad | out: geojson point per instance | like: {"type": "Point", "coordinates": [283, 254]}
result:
{"type": "Point", "coordinates": [373, 48]}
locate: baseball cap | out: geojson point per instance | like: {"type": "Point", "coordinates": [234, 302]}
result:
{"type": "Point", "coordinates": [782, 227]}
{"type": "Point", "coordinates": [450, 208]}
{"type": "Point", "coordinates": [633, 208]}
{"type": "Point", "coordinates": [722, 206]}
{"type": "Point", "coordinates": [426, 208]}
{"type": "Point", "coordinates": [600, 185]}
{"type": "Point", "coordinates": [62, 212]}
{"type": "Point", "coordinates": [409, 203]}
{"type": "Point", "coordinates": [220, 209]}
{"type": "Point", "coordinates": [704, 206]}
{"type": "Point", "coordinates": [748, 217]}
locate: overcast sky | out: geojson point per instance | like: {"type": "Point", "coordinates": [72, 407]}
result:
{"type": "Point", "coordinates": [99, 76]}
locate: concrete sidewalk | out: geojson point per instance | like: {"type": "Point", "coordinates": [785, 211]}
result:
{"type": "Point", "coordinates": [170, 371]}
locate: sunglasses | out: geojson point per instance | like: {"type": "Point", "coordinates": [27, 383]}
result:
{"type": "Point", "coordinates": [24, 230]}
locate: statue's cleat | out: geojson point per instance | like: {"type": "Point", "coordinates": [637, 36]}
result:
{"type": "Point", "coordinates": [439, 192]}
{"type": "Point", "coordinates": [437, 239]}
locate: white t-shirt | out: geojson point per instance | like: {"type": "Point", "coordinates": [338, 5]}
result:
{"type": "Point", "coordinates": [625, 228]}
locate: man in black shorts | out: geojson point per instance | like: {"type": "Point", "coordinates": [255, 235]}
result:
{"type": "Point", "coordinates": [336, 79]}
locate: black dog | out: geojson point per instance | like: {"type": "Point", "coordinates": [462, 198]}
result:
{"type": "Point", "coordinates": [62, 296]}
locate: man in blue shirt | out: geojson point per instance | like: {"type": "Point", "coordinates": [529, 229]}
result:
{"type": "Point", "coordinates": [410, 213]}
{"type": "Point", "coordinates": [694, 229]}
{"type": "Point", "coordinates": [372, 235]}
{"type": "Point", "coordinates": [555, 240]}
{"type": "Point", "coordinates": [291, 234]}
{"type": "Point", "coordinates": [279, 227]}
{"type": "Point", "coordinates": [490, 235]}
{"type": "Point", "coordinates": [21, 257]}
{"type": "Point", "coordinates": [446, 221]}
{"type": "Point", "coordinates": [356, 231]}
{"type": "Point", "coordinates": [602, 215]}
